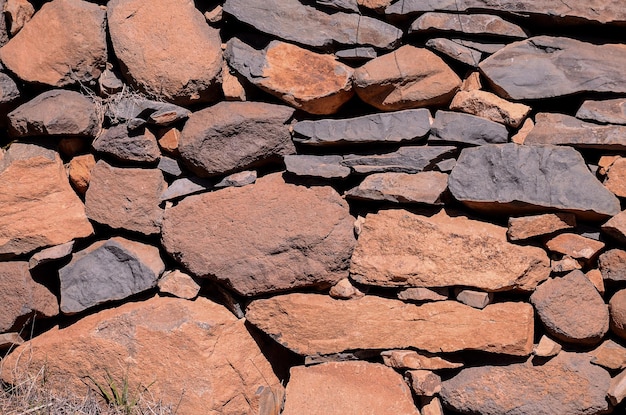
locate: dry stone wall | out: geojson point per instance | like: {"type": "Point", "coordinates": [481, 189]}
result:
{"type": "Point", "coordinates": [317, 207]}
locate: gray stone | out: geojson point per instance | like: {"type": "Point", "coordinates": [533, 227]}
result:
{"type": "Point", "coordinates": [325, 167]}
{"type": "Point", "coordinates": [425, 187]}
{"type": "Point", "coordinates": [456, 51]}
{"type": "Point", "coordinates": [106, 271]}
{"type": "Point", "coordinates": [470, 24]}
{"type": "Point", "coordinates": [185, 187]}
{"type": "Point", "coordinates": [446, 166]}
{"type": "Point", "coordinates": [128, 146]}
{"type": "Point", "coordinates": [405, 160]}
{"type": "Point", "coordinates": [10, 340]}
{"type": "Point", "coordinates": [421, 294]}
{"type": "Point", "coordinates": [482, 46]}
{"type": "Point", "coordinates": [460, 128]}
{"type": "Point", "coordinates": [292, 21]}
{"type": "Point", "coordinates": [609, 111]}
{"type": "Point", "coordinates": [347, 5]}
{"type": "Point", "coordinates": [242, 178]}
{"type": "Point", "coordinates": [169, 166]}
{"type": "Point", "coordinates": [357, 54]}
{"type": "Point", "coordinates": [51, 254]}
{"type": "Point", "coordinates": [516, 179]}
{"type": "Point", "coordinates": [124, 107]}
{"type": "Point", "coordinates": [546, 67]}
{"type": "Point", "coordinates": [9, 93]}
{"type": "Point", "coordinates": [391, 127]}
{"type": "Point", "coordinates": [473, 298]}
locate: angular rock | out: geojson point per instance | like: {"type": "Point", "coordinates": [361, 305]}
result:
{"type": "Point", "coordinates": [444, 251]}
{"type": "Point", "coordinates": [425, 187]}
{"type": "Point", "coordinates": [185, 187]}
{"type": "Point", "coordinates": [546, 347]}
{"type": "Point", "coordinates": [525, 227]}
{"type": "Point", "coordinates": [22, 296]}
{"type": "Point", "coordinates": [125, 198]}
{"type": "Point", "coordinates": [38, 207]}
{"type": "Point", "coordinates": [56, 112]}
{"type": "Point", "coordinates": [232, 86]}
{"type": "Point", "coordinates": [605, 163]}
{"type": "Point", "coordinates": [617, 390]}
{"type": "Point", "coordinates": [473, 298]}
{"type": "Point", "coordinates": [9, 94]}
{"type": "Point", "coordinates": [107, 271]}
{"type": "Point", "coordinates": [324, 87]}
{"type": "Point", "coordinates": [405, 160]}
{"type": "Point", "coordinates": [576, 246]}
{"type": "Point", "coordinates": [260, 238]}
{"type": "Point", "coordinates": [169, 166]}
{"type": "Point", "coordinates": [565, 264]}
{"type": "Point", "coordinates": [325, 167]}
{"type": "Point", "coordinates": [456, 51]}
{"type": "Point", "coordinates": [472, 82]}
{"type": "Point", "coordinates": [547, 67]}
{"type": "Point", "coordinates": [410, 359]}
{"type": "Point", "coordinates": [615, 177]}
{"type": "Point", "coordinates": [567, 384]}
{"type": "Point", "coordinates": [487, 47]}
{"type": "Point", "coordinates": [357, 54]}
{"type": "Point", "coordinates": [522, 133]}
{"type": "Point", "coordinates": [459, 128]}
{"type": "Point", "coordinates": [612, 264]}
{"type": "Point", "coordinates": [571, 309]}
{"type": "Point", "coordinates": [391, 127]}
{"type": "Point", "coordinates": [350, 388]}
{"type": "Point", "coordinates": [292, 21]}
{"type": "Point", "coordinates": [617, 309]}
{"type": "Point", "coordinates": [79, 172]}
{"type": "Point", "coordinates": [424, 382]}
{"type": "Point", "coordinates": [595, 276]}
{"type": "Point", "coordinates": [421, 294]}
{"type": "Point", "coordinates": [609, 355]}
{"type": "Point", "coordinates": [110, 82]}
{"type": "Point", "coordinates": [393, 81]}
{"type": "Point", "coordinates": [312, 324]}
{"type": "Point", "coordinates": [446, 166]}
{"type": "Point", "coordinates": [609, 111]}
{"type": "Point", "coordinates": [347, 5]}
{"type": "Point", "coordinates": [228, 373]}
{"type": "Point", "coordinates": [51, 254]}
{"type": "Point", "coordinates": [18, 13]}
{"type": "Point", "coordinates": [178, 58]}
{"type": "Point", "coordinates": [242, 178]}
{"type": "Point", "coordinates": [225, 137]}
{"type": "Point", "coordinates": [345, 290]}
{"type": "Point", "coordinates": [430, 405]}
{"type": "Point", "coordinates": [487, 105]}
{"type": "Point", "coordinates": [469, 24]}
{"type": "Point", "coordinates": [74, 49]}
{"type": "Point", "coordinates": [128, 146]}
{"type": "Point", "coordinates": [561, 129]}
{"type": "Point", "coordinates": [215, 15]}
{"type": "Point", "coordinates": [136, 110]}
{"type": "Point", "coordinates": [179, 284]}
{"type": "Point", "coordinates": [515, 179]}
{"type": "Point", "coordinates": [168, 141]}
{"type": "Point", "coordinates": [10, 340]}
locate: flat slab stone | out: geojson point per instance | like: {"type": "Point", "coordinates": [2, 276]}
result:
{"type": "Point", "coordinates": [444, 251]}
{"type": "Point", "coordinates": [410, 359]}
{"type": "Point", "coordinates": [609, 111]}
{"type": "Point", "coordinates": [51, 254]}
{"type": "Point", "coordinates": [426, 187]}
{"type": "Point", "coordinates": [456, 51]}
{"type": "Point", "coordinates": [185, 187]}
{"type": "Point", "coordinates": [459, 128]}
{"type": "Point", "coordinates": [609, 355]}
{"type": "Point", "coordinates": [324, 167]}
{"type": "Point", "coordinates": [516, 179]}
{"type": "Point", "coordinates": [525, 227]}
{"type": "Point", "coordinates": [405, 160]}
{"type": "Point", "coordinates": [357, 54]}
{"type": "Point", "coordinates": [490, 106]}
{"type": "Point", "coordinates": [312, 324]}
{"type": "Point", "coordinates": [470, 24]}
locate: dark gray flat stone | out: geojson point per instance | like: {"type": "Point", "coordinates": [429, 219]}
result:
{"type": "Point", "coordinates": [405, 160]}
{"type": "Point", "coordinates": [325, 167]}
{"type": "Point", "coordinates": [460, 128]}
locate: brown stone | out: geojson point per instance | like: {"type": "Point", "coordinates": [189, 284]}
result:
{"type": "Point", "coordinates": [473, 298]}
{"type": "Point", "coordinates": [73, 49]}
{"type": "Point", "coordinates": [420, 294]}
{"type": "Point", "coordinates": [232, 88]}
{"type": "Point", "coordinates": [167, 49]}
{"type": "Point", "coordinates": [443, 251]}
{"type": "Point", "coordinates": [424, 382]}
{"type": "Point", "coordinates": [10, 340]}
{"type": "Point", "coordinates": [425, 187]}
{"type": "Point", "coordinates": [430, 405]}
{"type": "Point", "coordinates": [80, 171]}
{"type": "Point", "coordinates": [605, 163]}
{"type": "Point", "coordinates": [617, 309]}
{"type": "Point", "coordinates": [609, 111]}
{"type": "Point", "coordinates": [345, 290]}
{"type": "Point", "coordinates": [617, 390]}
{"type": "Point", "coordinates": [546, 347]}
{"type": "Point", "coordinates": [168, 141]}
{"type": "Point", "coordinates": [125, 198]}
{"type": "Point", "coordinates": [18, 13]}
{"type": "Point", "coordinates": [312, 324]}
{"type": "Point", "coordinates": [525, 227]}
{"type": "Point", "coordinates": [227, 375]}
{"type": "Point", "coordinates": [455, 50]}
{"type": "Point", "coordinates": [612, 264]}
{"type": "Point", "coordinates": [260, 239]}
{"type": "Point", "coordinates": [410, 359]}
{"type": "Point", "coordinates": [565, 264]}
{"type": "Point", "coordinates": [51, 254]}
{"type": "Point", "coordinates": [471, 24]}
{"type": "Point", "coordinates": [471, 82]}
{"type": "Point", "coordinates": [490, 106]}
{"type": "Point", "coordinates": [576, 246]}
{"type": "Point", "coordinates": [522, 133]}
{"type": "Point", "coordinates": [616, 177]}
{"type": "Point", "coordinates": [609, 355]}
{"type": "Point", "coordinates": [179, 284]}
{"type": "Point", "coordinates": [347, 388]}
{"type": "Point", "coordinates": [595, 276]}
{"type": "Point", "coordinates": [377, 5]}
{"type": "Point", "coordinates": [38, 207]}
{"type": "Point", "coordinates": [393, 81]}
{"type": "Point", "coordinates": [137, 146]}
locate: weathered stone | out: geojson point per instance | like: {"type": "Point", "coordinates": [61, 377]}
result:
{"type": "Point", "coordinates": [178, 59]}
{"type": "Point", "coordinates": [141, 343]}
{"type": "Point", "coordinates": [446, 166]}
{"type": "Point", "coordinates": [469, 24]}
{"type": "Point", "coordinates": [561, 129]}
{"type": "Point", "coordinates": [473, 298]}
{"type": "Point", "coordinates": [392, 127]}
{"type": "Point", "coordinates": [595, 276]}
{"type": "Point", "coordinates": [487, 47]}
{"type": "Point", "coordinates": [324, 87]}
{"type": "Point", "coordinates": [357, 54]}
{"type": "Point", "coordinates": [185, 187]}
{"type": "Point", "coordinates": [376, 5]}
{"type": "Point", "coordinates": [51, 254]}
{"type": "Point", "coordinates": [169, 166]}
{"type": "Point", "coordinates": [546, 347]}
{"type": "Point", "coordinates": [214, 15]}
{"type": "Point", "coordinates": [125, 198]}
{"type": "Point", "coordinates": [136, 110]}
{"type": "Point", "coordinates": [576, 246]}
{"type": "Point", "coordinates": [10, 340]}
{"type": "Point", "coordinates": [421, 294]}
{"type": "Point", "coordinates": [456, 51]}
{"type": "Point", "coordinates": [472, 82]}
{"type": "Point", "coordinates": [430, 405]}
{"type": "Point", "coordinates": [525, 227]}
{"type": "Point", "coordinates": [609, 111]}
{"type": "Point", "coordinates": [609, 355]}
{"type": "Point", "coordinates": [616, 177]}
{"type": "Point", "coordinates": [425, 187]}
{"type": "Point", "coordinates": [444, 251]}
{"type": "Point", "coordinates": [405, 160]}
{"type": "Point", "coordinates": [21, 296]}
{"type": "Point", "coordinates": [571, 309]}
{"type": "Point", "coordinates": [424, 382]}
{"type": "Point", "coordinates": [179, 284]}
{"type": "Point", "coordinates": [109, 82]}
{"type": "Point", "coordinates": [459, 128]}
{"type": "Point", "coordinates": [350, 388]}
{"type": "Point", "coordinates": [292, 21]}
{"type": "Point", "coordinates": [242, 178]}
{"type": "Point", "coordinates": [74, 49]}
{"type": "Point", "coordinates": [312, 324]}
{"type": "Point", "coordinates": [515, 179]}
{"type": "Point", "coordinates": [393, 81]}
{"type": "Point", "coordinates": [617, 309]}
{"type": "Point", "coordinates": [605, 163]}
{"type": "Point", "coordinates": [324, 167]}
{"type": "Point", "coordinates": [612, 264]}
{"type": "Point", "coordinates": [9, 94]}
{"type": "Point", "coordinates": [345, 290]}
{"type": "Point", "coordinates": [18, 13]}
{"type": "Point", "coordinates": [260, 239]}
{"type": "Point", "coordinates": [565, 264]}
{"type": "Point", "coordinates": [346, 5]}
{"type": "Point", "coordinates": [38, 207]}
{"type": "Point", "coordinates": [522, 133]}
{"type": "Point", "coordinates": [79, 172]}
{"type": "Point", "coordinates": [168, 141]}
{"type": "Point", "coordinates": [410, 359]}
{"type": "Point", "coordinates": [128, 146]}
{"type": "Point", "coordinates": [56, 112]}
{"type": "Point", "coordinates": [617, 390]}
{"type": "Point", "coordinates": [546, 67]}
{"type": "Point", "coordinates": [567, 384]}
{"type": "Point", "coordinates": [487, 105]}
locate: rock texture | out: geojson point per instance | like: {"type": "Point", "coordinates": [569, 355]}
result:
{"type": "Point", "coordinates": [476, 24]}
{"type": "Point", "coordinates": [525, 227]}
{"type": "Point", "coordinates": [487, 105]}
{"type": "Point", "coordinates": [609, 111]}
{"type": "Point", "coordinates": [128, 146]}
{"type": "Point", "coordinates": [458, 128]}
{"type": "Point", "coordinates": [425, 187]}
{"type": "Point", "coordinates": [405, 160]}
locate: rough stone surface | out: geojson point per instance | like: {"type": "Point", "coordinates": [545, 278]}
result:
{"type": "Point", "coordinates": [609, 111]}
{"type": "Point", "coordinates": [345, 290]}
{"type": "Point", "coordinates": [233, 136]}
{"type": "Point", "coordinates": [128, 146]}
{"type": "Point", "coordinates": [490, 106]}
{"type": "Point", "coordinates": [125, 198]}
{"type": "Point", "coordinates": [616, 177]}
{"type": "Point", "coordinates": [51, 254]}
{"type": "Point", "coordinates": [514, 179]}
{"type": "Point", "coordinates": [617, 390]}
{"type": "Point", "coordinates": [424, 382]}
{"type": "Point", "coordinates": [567, 384]}
{"type": "Point", "coordinates": [137, 110]}
{"type": "Point", "coordinates": [520, 136]}
{"type": "Point", "coordinates": [38, 207]}
{"type": "Point", "coordinates": [616, 227]}
{"type": "Point", "coordinates": [609, 355]}
{"type": "Point", "coordinates": [612, 264]}
{"type": "Point", "coordinates": [18, 13]}
{"type": "Point", "coordinates": [393, 81]}
{"type": "Point", "coordinates": [565, 264]}
{"type": "Point", "coordinates": [168, 141]}
{"type": "Point", "coordinates": [179, 284]}
{"type": "Point", "coordinates": [444, 251]}
{"type": "Point", "coordinates": [73, 50]}
{"type": "Point", "coordinates": [259, 239]}
{"type": "Point", "coordinates": [425, 187]}
{"type": "Point", "coordinates": [228, 374]}
{"type": "Point", "coordinates": [350, 388]}
{"type": "Point", "coordinates": [547, 347]}
{"type": "Point", "coordinates": [79, 171]}
{"type": "Point", "coordinates": [421, 294]}
{"type": "Point", "coordinates": [185, 187]}
{"type": "Point", "coordinates": [546, 67]}
{"type": "Point", "coordinates": [405, 160]}
{"type": "Point", "coordinates": [410, 359]}
{"type": "Point", "coordinates": [178, 58]}
{"type": "Point", "coordinates": [576, 246]}
{"type": "Point", "coordinates": [459, 128]}
{"type": "Point", "coordinates": [473, 298]}
{"type": "Point", "coordinates": [10, 340]}
{"type": "Point", "coordinates": [325, 167]}
{"type": "Point", "coordinates": [595, 276]}
{"type": "Point", "coordinates": [617, 309]}
{"type": "Point", "coordinates": [239, 179]}
{"type": "Point", "coordinates": [456, 51]}
{"type": "Point", "coordinates": [525, 227]}
{"type": "Point", "coordinates": [571, 309]}
{"type": "Point", "coordinates": [430, 405]}
{"type": "Point", "coordinates": [357, 54]}
{"type": "Point", "coordinates": [312, 324]}
{"type": "Point", "coordinates": [469, 24]}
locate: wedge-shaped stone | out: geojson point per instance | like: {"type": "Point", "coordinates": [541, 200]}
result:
{"type": "Point", "coordinates": [470, 24]}
{"type": "Point", "coordinates": [426, 187]}
{"type": "Point", "coordinates": [610, 111]}
{"type": "Point", "coordinates": [526, 227]}
{"type": "Point", "coordinates": [490, 106]}
{"type": "Point", "coordinates": [292, 21]}
{"type": "Point", "coordinates": [136, 110]}
{"type": "Point", "coordinates": [128, 146]}
{"type": "Point", "coordinates": [265, 237]}
{"type": "Point", "coordinates": [512, 179]}
{"type": "Point", "coordinates": [443, 251]}
{"type": "Point", "coordinates": [458, 128]}
{"type": "Point", "coordinates": [546, 67]}
{"type": "Point", "coordinates": [405, 160]}
{"type": "Point", "coordinates": [456, 51]}
{"type": "Point", "coordinates": [324, 87]}
{"type": "Point", "coordinates": [140, 344]}
{"type": "Point", "coordinates": [609, 355]}
{"type": "Point", "coordinates": [312, 324]}
{"type": "Point", "coordinates": [616, 227]}
{"type": "Point", "coordinates": [567, 384]}
{"type": "Point", "coordinates": [324, 167]}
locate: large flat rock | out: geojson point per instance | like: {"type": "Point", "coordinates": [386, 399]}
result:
{"type": "Point", "coordinates": [608, 111]}
{"type": "Point", "coordinates": [426, 187]}
{"type": "Point", "coordinates": [508, 178]}
{"type": "Point", "coordinates": [466, 129]}
{"type": "Point", "coordinates": [266, 237]}
{"type": "Point", "coordinates": [443, 251]}
{"type": "Point", "coordinates": [312, 324]}
{"type": "Point", "coordinates": [469, 24]}
{"type": "Point", "coordinates": [404, 160]}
